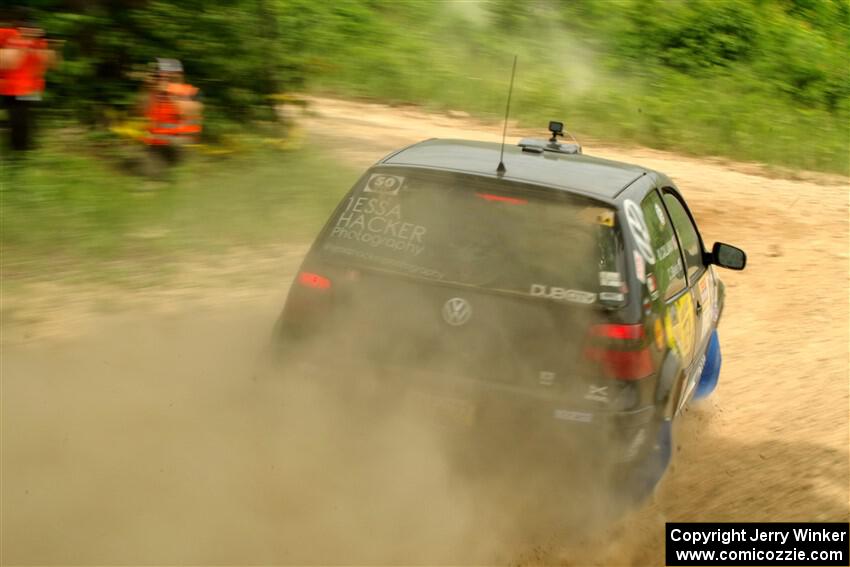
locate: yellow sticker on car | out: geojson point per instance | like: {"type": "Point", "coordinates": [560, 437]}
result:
{"type": "Point", "coordinates": [598, 215]}
{"type": "Point", "coordinates": [680, 326]}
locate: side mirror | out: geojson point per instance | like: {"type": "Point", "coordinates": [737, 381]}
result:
{"type": "Point", "coordinates": [728, 256]}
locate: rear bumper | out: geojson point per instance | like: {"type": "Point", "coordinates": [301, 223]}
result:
{"type": "Point", "coordinates": [516, 414]}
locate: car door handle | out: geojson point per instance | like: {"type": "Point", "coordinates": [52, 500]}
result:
{"type": "Point", "coordinates": [699, 308]}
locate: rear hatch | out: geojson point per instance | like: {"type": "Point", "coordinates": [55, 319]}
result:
{"type": "Point", "coordinates": [463, 276]}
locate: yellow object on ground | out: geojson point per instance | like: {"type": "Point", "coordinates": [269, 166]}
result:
{"type": "Point", "coordinates": [134, 129]}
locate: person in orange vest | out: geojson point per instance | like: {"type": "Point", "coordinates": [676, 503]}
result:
{"type": "Point", "coordinates": [173, 111]}
{"type": "Point", "coordinates": [25, 56]}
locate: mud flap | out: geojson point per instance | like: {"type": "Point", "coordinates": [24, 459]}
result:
{"type": "Point", "coordinates": [711, 370]}
{"type": "Point", "coordinates": [669, 384]}
{"type": "Point", "coordinates": [648, 473]}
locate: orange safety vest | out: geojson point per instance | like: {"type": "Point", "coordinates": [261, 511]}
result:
{"type": "Point", "coordinates": [166, 123]}
{"type": "Point", "coordinates": [5, 35]}
{"type": "Point", "coordinates": [191, 121]}
{"type": "Point", "coordinates": [28, 77]}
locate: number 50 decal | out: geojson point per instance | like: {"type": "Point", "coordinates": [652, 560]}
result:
{"type": "Point", "coordinates": [386, 184]}
{"type": "Point", "coordinates": [637, 226]}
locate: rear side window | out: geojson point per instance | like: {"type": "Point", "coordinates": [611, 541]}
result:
{"type": "Point", "coordinates": [687, 233]}
{"type": "Point", "coordinates": [494, 234]}
{"type": "Point", "coordinates": [668, 271]}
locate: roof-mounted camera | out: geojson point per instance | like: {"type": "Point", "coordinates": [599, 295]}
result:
{"type": "Point", "coordinates": [533, 146]}
{"type": "Point", "coordinates": [557, 129]}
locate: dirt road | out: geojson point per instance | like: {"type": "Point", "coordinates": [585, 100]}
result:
{"type": "Point", "coordinates": [132, 433]}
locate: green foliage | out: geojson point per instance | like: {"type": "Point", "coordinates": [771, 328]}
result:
{"type": "Point", "coordinates": [232, 51]}
{"type": "Point", "coordinates": [760, 79]}
{"type": "Point", "coordinates": [693, 34]}
{"type": "Point", "coordinates": [767, 80]}
{"type": "Point", "coordinates": [509, 15]}
{"type": "Point", "coordinates": [98, 214]}
{"type": "Point", "coordinates": [799, 48]}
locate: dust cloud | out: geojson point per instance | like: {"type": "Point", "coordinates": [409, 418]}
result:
{"type": "Point", "coordinates": [152, 440]}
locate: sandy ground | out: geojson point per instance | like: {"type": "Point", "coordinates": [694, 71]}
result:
{"type": "Point", "coordinates": [133, 432]}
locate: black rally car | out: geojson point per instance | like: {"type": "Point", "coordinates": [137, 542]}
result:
{"type": "Point", "coordinates": [570, 294]}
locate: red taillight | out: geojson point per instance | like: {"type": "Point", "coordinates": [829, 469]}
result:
{"type": "Point", "coordinates": [315, 281]}
{"type": "Point", "coordinates": [624, 332]}
{"type": "Point", "coordinates": [502, 199]}
{"type": "Point", "coordinates": [620, 351]}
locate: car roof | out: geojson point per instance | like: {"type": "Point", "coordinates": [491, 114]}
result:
{"type": "Point", "coordinates": [577, 173]}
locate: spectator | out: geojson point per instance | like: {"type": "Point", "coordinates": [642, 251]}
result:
{"type": "Point", "coordinates": [172, 111]}
{"type": "Point", "coordinates": [24, 58]}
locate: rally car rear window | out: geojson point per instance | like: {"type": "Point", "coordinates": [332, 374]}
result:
{"type": "Point", "coordinates": [499, 235]}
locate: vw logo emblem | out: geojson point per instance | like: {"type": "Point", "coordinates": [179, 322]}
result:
{"type": "Point", "coordinates": [457, 311]}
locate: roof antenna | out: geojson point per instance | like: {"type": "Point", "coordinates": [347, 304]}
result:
{"type": "Point", "coordinates": [500, 171]}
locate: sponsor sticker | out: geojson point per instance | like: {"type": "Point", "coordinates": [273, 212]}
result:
{"type": "Point", "coordinates": [681, 325]}
{"type": "Point", "coordinates": [398, 264]}
{"type": "Point", "coordinates": [666, 249]}
{"type": "Point", "coordinates": [676, 271]}
{"type": "Point", "coordinates": [637, 226]}
{"type": "Point", "coordinates": [611, 296]}
{"type": "Point", "coordinates": [378, 222]}
{"type": "Point", "coordinates": [599, 215]}
{"type": "Point", "coordinates": [662, 220]}
{"type": "Point", "coordinates": [703, 288]}
{"type": "Point", "coordinates": [659, 335]}
{"type": "Point", "coordinates": [561, 294]}
{"type": "Point", "coordinates": [668, 329]}
{"type": "Point", "coordinates": [385, 184]}
{"type": "Point", "coordinates": [652, 286]}
{"type": "Point", "coordinates": [715, 301]}
{"type": "Point", "coordinates": [610, 279]}
{"type": "Point", "coordinates": [640, 267]}
{"type": "Point", "coordinates": [606, 218]}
